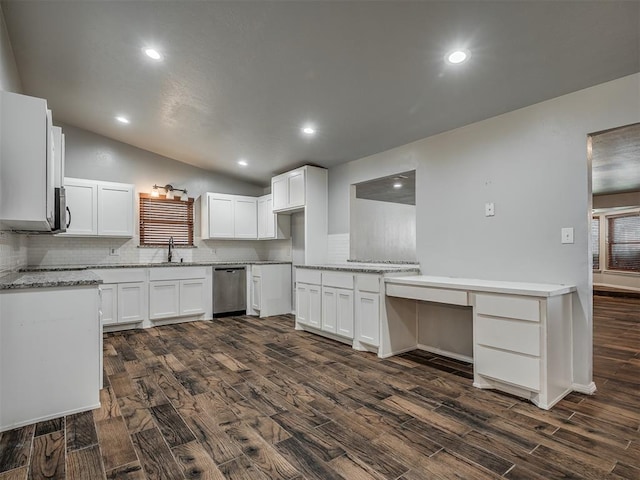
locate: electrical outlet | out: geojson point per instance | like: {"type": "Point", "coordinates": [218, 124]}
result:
{"type": "Point", "coordinates": [567, 235]}
{"type": "Point", "coordinates": [114, 252]}
{"type": "Point", "coordinates": [489, 210]}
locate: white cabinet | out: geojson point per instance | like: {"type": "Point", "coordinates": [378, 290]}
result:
{"type": "Point", "coordinates": [82, 207]}
{"type": "Point", "coordinates": [289, 190]}
{"type": "Point", "coordinates": [123, 295]}
{"type": "Point", "coordinates": [329, 309]}
{"type": "Point", "coordinates": [228, 216]}
{"type": "Point", "coordinates": [50, 339]}
{"type": "Point", "coordinates": [270, 289]}
{"type": "Point", "coordinates": [99, 208]}
{"type": "Point", "coordinates": [344, 313]}
{"type": "Point", "coordinates": [271, 225]}
{"type": "Point", "coordinates": [368, 317]}
{"type": "Point", "coordinates": [302, 304]}
{"type": "Point", "coordinates": [178, 292]}
{"type": "Point", "coordinates": [28, 163]}
{"type": "Point", "coordinates": [315, 306]}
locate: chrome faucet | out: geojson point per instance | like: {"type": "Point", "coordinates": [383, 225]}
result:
{"type": "Point", "coordinates": [170, 253]}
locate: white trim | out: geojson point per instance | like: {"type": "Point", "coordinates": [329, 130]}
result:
{"type": "Point", "coordinates": [12, 426]}
{"type": "Point", "coordinates": [398, 352]}
{"type": "Point", "coordinates": [444, 353]}
{"type": "Point", "coordinates": [589, 389]}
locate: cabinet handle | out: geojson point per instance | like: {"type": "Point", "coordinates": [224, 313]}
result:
{"type": "Point", "coordinates": [69, 212]}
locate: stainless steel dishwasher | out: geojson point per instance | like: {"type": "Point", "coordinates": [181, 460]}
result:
{"type": "Point", "coordinates": [229, 291]}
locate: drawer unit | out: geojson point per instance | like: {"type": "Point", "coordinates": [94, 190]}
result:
{"type": "Point", "coordinates": [176, 273]}
{"type": "Point", "coordinates": [513, 368]}
{"type": "Point", "coordinates": [368, 283]}
{"type": "Point", "coordinates": [508, 306]}
{"type": "Point", "coordinates": [121, 275]}
{"type": "Point", "coordinates": [338, 280]}
{"type": "Point", "coordinates": [506, 334]}
{"type": "Point", "coordinates": [427, 294]}
{"type": "Point", "coordinates": [304, 275]}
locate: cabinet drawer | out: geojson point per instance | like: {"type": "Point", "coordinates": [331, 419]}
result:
{"type": "Point", "coordinates": [368, 283]}
{"type": "Point", "coordinates": [308, 276]}
{"type": "Point", "coordinates": [121, 275]}
{"type": "Point", "coordinates": [508, 306]}
{"type": "Point", "coordinates": [338, 280]}
{"type": "Point", "coordinates": [176, 273]}
{"type": "Point", "coordinates": [508, 367]}
{"type": "Point", "coordinates": [515, 335]}
{"type": "Point", "coordinates": [428, 294]}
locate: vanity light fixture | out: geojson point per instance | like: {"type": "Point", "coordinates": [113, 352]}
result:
{"type": "Point", "coordinates": [153, 54]}
{"type": "Point", "coordinates": [170, 189]}
{"type": "Point", "coordinates": [457, 56]}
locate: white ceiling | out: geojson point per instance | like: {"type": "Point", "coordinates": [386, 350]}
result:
{"type": "Point", "coordinates": [239, 78]}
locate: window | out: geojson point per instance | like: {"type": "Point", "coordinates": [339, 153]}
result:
{"type": "Point", "coordinates": [595, 242]}
{"type": "Point", "coordinates": [162, 218]}
{"type": "Point", "coordinates": [623, 242]}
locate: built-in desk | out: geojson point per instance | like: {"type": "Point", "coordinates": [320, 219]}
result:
{"type": "Point", "coordinates": [522, 332]}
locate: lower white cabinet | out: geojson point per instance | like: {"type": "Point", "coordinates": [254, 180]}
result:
{"type": "Point", "coordinates": [123, 303]}
{"type": "Point", "coordinates": [368, 317]}
{"type": "Point", "coordinates": [50, 339]}
{"type": "Point", "coordinates": [315, 306]}
{"type": "Point", "coordinates": [337, 311]}
{"type": "Point", "coordinates": [178, 292]}
{"type": "Point", "coordinates": [270, 292]}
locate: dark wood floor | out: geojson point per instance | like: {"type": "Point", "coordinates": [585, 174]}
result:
{"type": "Point", "coordinates": [243, 398]}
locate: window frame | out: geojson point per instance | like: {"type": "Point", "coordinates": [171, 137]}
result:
{"type": "Point", "coordinates": [189, 224]}
{"type": "Point", "coordinates": [608, 245]}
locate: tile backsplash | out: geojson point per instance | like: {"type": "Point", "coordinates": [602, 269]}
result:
{"type": "Point", "coordinates": [51, 250]}
{"type": "Point", "coordinates": [13, 251]}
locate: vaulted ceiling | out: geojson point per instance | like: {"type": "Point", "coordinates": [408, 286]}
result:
{"type": "Point", "coordinates": [238, 79]}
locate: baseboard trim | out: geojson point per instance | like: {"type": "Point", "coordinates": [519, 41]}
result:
{"type": "Point", "coordinates": [589, 389]}
{"type": "Point", "coordinates": [445, 353]}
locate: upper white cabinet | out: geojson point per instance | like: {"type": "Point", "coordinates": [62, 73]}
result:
{"type": "Point", "coordinates": [289, 190]}
{"type": "Point", "coordinates": [305, 190]}
{"type": "Point", "coordinates": [99, 208]}
{"type": "Point", "coordinates": [271, 225]}
{"type": "Point", "coordinates": [228, 216]}
{"type": "Point", "coordinates": [28, 177]}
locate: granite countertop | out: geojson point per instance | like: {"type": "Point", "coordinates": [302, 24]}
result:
{"type": "Point", "coordinates": [58, 268]}
{"type": "Point", "coordinates": [73, 278]}
{"type": "Point", "coordinates": [364, 268]}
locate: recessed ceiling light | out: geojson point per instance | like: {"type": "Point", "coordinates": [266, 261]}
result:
{"type": "Point", "coordinates": [243, 163]}
{"type": "Point", "coordinates": [397, 185]}
{"type": "Point", "coordinates": [308, 130]}
{"type": "Point", "coordinates": [122, 119]}
{"type": "Point", "coordinates": [153, 53]}
{"type": "Point", "coordinates": [458, 56]}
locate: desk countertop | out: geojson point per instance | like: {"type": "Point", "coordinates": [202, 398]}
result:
{"type": "Point", "coordinates": [478, 285]}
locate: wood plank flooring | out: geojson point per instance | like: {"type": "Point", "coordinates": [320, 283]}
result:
{"type": "Point", "coordinates": [244, 398]}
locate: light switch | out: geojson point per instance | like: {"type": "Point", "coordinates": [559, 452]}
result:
{"type": "Point", "coordinates": [114, 252]}
{"type": "Point", "coordinates": [567, 235]}
{"type": "Point", "coordinates": [489, 210]}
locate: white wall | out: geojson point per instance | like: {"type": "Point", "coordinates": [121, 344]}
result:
{"type": "Point", "coordinates": [13, 250]}
{"type": "Point", "coordinates": [532, 163]}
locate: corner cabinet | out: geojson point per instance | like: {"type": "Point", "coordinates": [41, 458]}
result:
{"type": "Point", "coordinates": [123, 295]}
{"type": "Point", "coordinates": [99, 209]}
{"type": "Point", "coordinates": [270, 225]}
{"type": "Point", "coordinates": [228, 216]}
{"type": "Point", "coordinates": [289, 190]}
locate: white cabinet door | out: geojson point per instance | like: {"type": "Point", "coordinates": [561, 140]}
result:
{"type": "Point", "coordinates": [221, 216]}
{"type": "Point", "coordinates": [82, 205]}
{"type": "Point", "coordinates": [192, 296]}
{"type": "Point", "coordinates": [271, 218]}
{"type": "Point", "coordinates": [109, 304]}
{"type": "Point", "coordinates": [280, 192]}
{"type": "Point", "coordinates": [256, 293]}
{"type": "Point", "coordinates": [296, 189]}
{"type": "Point", "coordinates": [315, 306]}
{"type": "Point", "coordinates": [329, 309]}
{"type": "Point", "coordinates": [132, 305]}
{"type": "Point", "coordinates": [245, 214]}
{"type": "Point", "coordinates": [164, 299]}
{"type": "Point", "coordinates": [115, 210]}
{"type": "Point", "coordinates": [263, 215]}
{"type": "Point", "coordinates": [302, 303]}
{"type": "Point", "coordinates": [368, 317]}
{"type": "Point", "coordinates": [344, 313]}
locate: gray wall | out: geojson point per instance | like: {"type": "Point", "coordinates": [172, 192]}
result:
{"type": "Point", "coordinates": [532, 163]}
{"type": "Point", "coordinates": [9, 78]}
{"type": "Point", "coordinates": [92, 156]}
